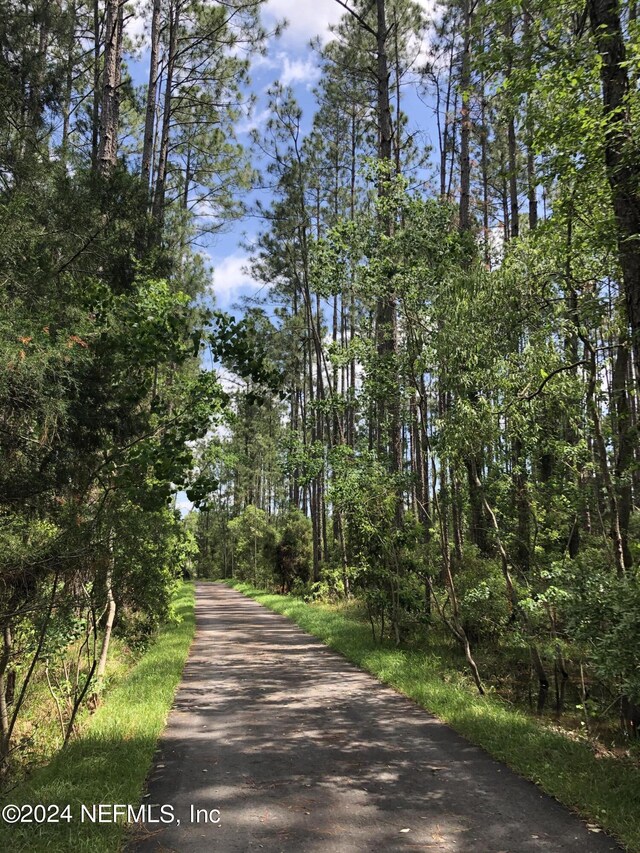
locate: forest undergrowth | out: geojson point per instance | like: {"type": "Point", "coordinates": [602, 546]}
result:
{"type": "Point", "coordinates": [109, 757]}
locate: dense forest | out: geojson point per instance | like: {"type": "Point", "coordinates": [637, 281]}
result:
{"type": "Point", "coordinates": [454, 443]}
{"type": "Point", "coordinates": [105, 189]}
{"type": "Point", "coordinates": [432, 411]}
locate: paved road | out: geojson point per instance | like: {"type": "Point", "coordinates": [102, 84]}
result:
{"type": "Point", "coordinates": [302, 752]}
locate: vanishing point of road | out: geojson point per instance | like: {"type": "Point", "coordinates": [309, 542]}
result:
{"type": "Point", "coordinates": [301, 752]}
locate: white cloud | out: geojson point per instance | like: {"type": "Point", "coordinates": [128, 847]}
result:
{"type": "Point", "coordinates": [135, 28]}
{"type": "Point", "coordinates": [310, 18]}
{"type": "Point", "coordinates": [420, 52]}
{"type": "Point", "coordinates": [260, 61]}
{"type": "Point", "coordinates": [298, 70]}
{"type": "Point", "coordinates": [230, 383]}
{"type": "Point", "coordinates": [430, 7]}
{"type": "Point", "coordinates": [231, 278]}
{"type": "Point", "coordinates": [183, 504]}
{"type": "Point", "coordinates": [307, 19]}
{"type": "Point", "coordinates": [254, 121]}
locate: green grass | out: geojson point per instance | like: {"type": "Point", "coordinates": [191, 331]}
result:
{"type": "Point", "coordinates": [38, 727]}
{"type": "Point", "coordinates": [604, 789]}
{"type": "Point", "coordinates": [109, 761]}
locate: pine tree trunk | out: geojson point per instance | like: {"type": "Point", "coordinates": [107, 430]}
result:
{"type": "Point", "coordinates": [95, 108]}
{"type": "Point", "coordinates": [111, 614]}
{"type": "Point", "coordinates": [603, 460]}
{"type": "Point", "coordinates": [5, 657]}
{"type": "Point", "coordinates": [465, 121]}
{"type": "Point", "coordinates": [512, 142]}
{"type": "Point", "coordinates": [163, 154]}
{"type": "Point", "coordinates": [109, 114]}
{"type": "Point", "coordinates": [152, 94]}
{"type": "Point", "coordinates": [621, 155]}
{"type": "Point", "coordinates": [68, 88]}
{"type": "Point", "coordinates": [624, 442]}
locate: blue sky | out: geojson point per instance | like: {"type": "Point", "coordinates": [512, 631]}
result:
{"type": "Point", "coordinates": [292, 62]}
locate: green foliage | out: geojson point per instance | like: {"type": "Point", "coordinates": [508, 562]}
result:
{"type": "Point", "coordinates": [293, 551]}
{"type": "Point", "coordinates": [603, 612]}
{"type": "Point", "coordinates": [484, 607]}
{"type": "Point", "coordinates": [112, 755]}
{"type": "Point", "coordinates": [102, 391]}
{"type": "Point", "coordinates": [254, 542]}
{"type": "Point", "coordinates": [152, 551]}
{"type": "Point", "coordinates": [363, 492]}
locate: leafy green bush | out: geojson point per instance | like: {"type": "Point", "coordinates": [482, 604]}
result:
{"type": "Point", "coordinates": [603, 614]}
{"type": "Point", "coordinates": [484, 608]}
{"type": "Point", "coordinates": [293, 551]}
{"type": "Point", "coordinates": [254, 542]}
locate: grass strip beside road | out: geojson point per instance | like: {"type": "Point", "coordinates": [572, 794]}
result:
{"type": "Point", "coordinates": [109, 761]}
{"type": "Point", "coordinates": [602, 788]}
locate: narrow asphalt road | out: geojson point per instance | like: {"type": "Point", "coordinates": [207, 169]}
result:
{"type": "Point", "coordinates": [302, 752]}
